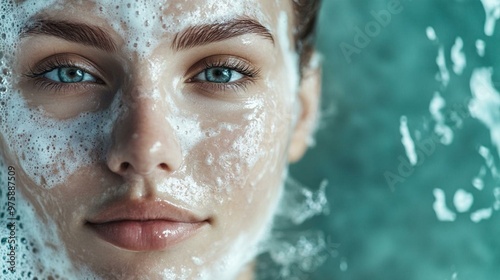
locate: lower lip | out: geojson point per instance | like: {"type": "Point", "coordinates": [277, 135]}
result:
{"type": "Point", "coordinates": [153, 235]}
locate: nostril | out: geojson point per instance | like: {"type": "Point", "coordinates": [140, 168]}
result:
{"type": "Point", "coordinates": [164, 166]}
{"type": "Point", "coordinates": [124, 166]}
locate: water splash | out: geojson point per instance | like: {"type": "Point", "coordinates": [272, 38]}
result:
{"type": "Point", "coordinates": [441, 129]}
{"type": "Point", "coordinates": [444, 74]}
{"type": "Point", "coordinates": [463, 200]}
{"type": "Point", "coordinates": [300, 203]}
{"type": "Point", "coordinates": [478, 181]}
{"type": "Point", "coordinates": [431, 33]}
{"type": "Point", "coordinates": [481, 214]}
{"type": "Point", "coordinates": [485, 102]}
{"type": "Point", "coordinates": [458, 57]}
{"type": "Point", "coordinates": [297, 253]}
{"type": "Point", "coordinates": [480, 47]}
{"type": "Point", "coordinates": [492, 10]}
{"type": "Point", "coordinates": [496, 194]}
{"type": "Point", "coordinates": [408, 141]}
{"type": "Point", "coordinates": [483, 106]}
{"type": "Point", "coordinates": [443, 213]}
{"type": "Point", "coordinates": [489, 161]}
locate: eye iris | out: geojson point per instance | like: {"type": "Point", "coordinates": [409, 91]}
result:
{"type": "Point", "coordinates": [70, 75]}
{"type": "Point", "coordinates": [218, 75]}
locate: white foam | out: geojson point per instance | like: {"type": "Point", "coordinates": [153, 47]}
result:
{"type": "Point", "coordinates": [156, 146]}
{"type": "Point", "coordinates": [186, 190]}
{"type": "Point", "coordinates": [290, 57]}
{"type": "Point", "coordinates": [247, 146]}
{"type": "Point", "coordinates": [144, 23]}
{"type": "Point", "coordinates": [50, 150]}
{"type": "Point", "coordinates": [291, 63]}
{"type": "Point", "coordinates": [39, 251]}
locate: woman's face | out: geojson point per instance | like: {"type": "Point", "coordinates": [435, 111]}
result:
{"type": "Point", "coordinates": [154, 136]}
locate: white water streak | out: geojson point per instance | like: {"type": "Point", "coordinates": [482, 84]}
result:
{"type": "Point", "coordinates": [492, 10]}
{"type": "Point", "coordinates": [442, 212]}
{"type": "Point", "coordinates": [485, 103]}
{"type": "Point", "coordinates": [407, 141]}
{"type": "Point", "coordinates": [441, 129]}
{"type": "Point", "coordinates": [463, 200]}
{"type": "Point", "coordinates": [481, 214]}
{"type": "Point", "coordinates": [444, 74]}
{"type": "Point", "coordinates": [458, 57]}
{"type": "Point", "coordinates": [431, 34]}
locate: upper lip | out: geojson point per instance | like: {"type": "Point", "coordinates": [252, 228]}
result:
{"type": "Point", "coordinates": [146, 210]}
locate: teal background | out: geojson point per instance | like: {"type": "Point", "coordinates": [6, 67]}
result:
{"type": "Point", "coordinates": [379, 232]}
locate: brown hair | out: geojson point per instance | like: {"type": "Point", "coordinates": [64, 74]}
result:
{"type": "Point", "coordinates": [306, 14]}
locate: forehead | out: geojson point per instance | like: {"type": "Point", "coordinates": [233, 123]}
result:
{"type": "Point", "coordinates": [142, 25]}
{"type": "Point", "coordinates": [169, 15]}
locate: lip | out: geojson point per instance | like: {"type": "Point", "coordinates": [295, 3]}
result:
{"type": "Point", "coordinates": [145, 225]}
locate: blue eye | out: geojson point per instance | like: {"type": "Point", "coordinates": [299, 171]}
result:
{"type": "Point", "coordinates": [69, 75]}
{"type": "Point", "coordinates": [220, 75]}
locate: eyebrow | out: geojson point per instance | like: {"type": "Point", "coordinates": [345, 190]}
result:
{"type": "Point", "coordinates": [191, 37]}
{"type": "Point", "coordinates": [209, 33]}
{"type": "Point", "coordinates": [75, 32]}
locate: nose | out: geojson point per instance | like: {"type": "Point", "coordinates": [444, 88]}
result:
{"type": "Point", "coordinates": [144, 141]}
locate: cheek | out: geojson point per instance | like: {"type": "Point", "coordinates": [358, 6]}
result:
{"type": "Point", "coordinates": [235, 150]}
{"type": "Point", "coordinates": [245, 163]}
{"type": "Point", "coordinates": [50, 150]}
{"type": "Point", "coordinates": [230, 156]}
{"type": "Point", "coordinates": [253, 165]}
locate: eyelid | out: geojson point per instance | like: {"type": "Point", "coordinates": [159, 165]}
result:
{"type": "Point", "coordinates": [54, 74]}
{"type": "Point", "coordinates": [241, 65]}
{"type": "Point", "coordinates": [250, 72]}
{"type": "Point", "coordinates": [66, 60]}
{"type": "Point", "coordinates": [204, 73]}
{"type": "Point", "coordinates": [235, 90]}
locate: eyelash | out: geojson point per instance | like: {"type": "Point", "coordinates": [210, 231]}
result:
{"type": "Point", "coordinates": [250, 75]}
{"type": "Point", "coordinates": [58, 62]}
